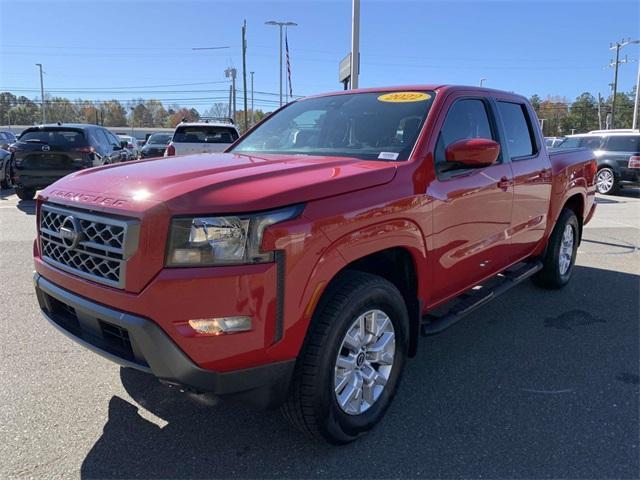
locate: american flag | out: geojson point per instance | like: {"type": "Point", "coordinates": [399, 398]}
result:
{"type": "Point", "coordinates": [286, 43]}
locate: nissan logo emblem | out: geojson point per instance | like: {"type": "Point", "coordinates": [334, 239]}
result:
{"type": "Point", "coordinates": [46, 148]}
{"type": "Point", "coordinates": [70, 232]}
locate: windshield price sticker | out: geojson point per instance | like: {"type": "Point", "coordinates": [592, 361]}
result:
{"type": "Point", "coordinates": [388, 156]}
{"type": "Point", "coordinates": [402, 97]}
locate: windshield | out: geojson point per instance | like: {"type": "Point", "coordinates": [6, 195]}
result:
{"type": "Point", "coordinates": [370, 126]}
{"type": "Point", "coordinates": [160, 138]}
{"type": "Point", "coordinates": [55, 137]}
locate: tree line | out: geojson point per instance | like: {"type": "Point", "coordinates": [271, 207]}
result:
{"type": "Point", "coordinates": [561, 117]}
{"type": "Point", "coordinates": [558, 115]}
{"type": "Point", "coordinates": [148, 113]}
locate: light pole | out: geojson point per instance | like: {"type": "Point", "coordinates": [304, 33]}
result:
{"type": "Point", "coordinates": [281, 24]}
{"type": "Point", "coordinates": [635, 104]}
{"type": "Point", "coordinates": [231, 73]}
{"type": "Point", "coordinates": [482, 81]}
{"type": "Point", "coordinates": [44, 108]}
{"type": "Point", "coordinates": [253, 112]}
{"type": "Point", "coordinates": [355, 43]}
{"type": "Point", "coordinates": [132, 120]}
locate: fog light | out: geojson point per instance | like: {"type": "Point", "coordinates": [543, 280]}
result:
{"type": "Point", "coordinates": [219, 326]}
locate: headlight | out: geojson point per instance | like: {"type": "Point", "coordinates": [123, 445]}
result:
{"type": "Point", "coordinates": [225, 240]}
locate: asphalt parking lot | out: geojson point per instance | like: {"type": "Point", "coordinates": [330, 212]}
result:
{"type": "Point", "coordinates": [537, 384]}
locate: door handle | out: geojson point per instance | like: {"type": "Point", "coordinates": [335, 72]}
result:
{"type": "Point", "coordinates": [504, 184]}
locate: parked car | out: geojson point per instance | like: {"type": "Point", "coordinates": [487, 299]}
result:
{"type": "Point", "coordinates": [617, 153]}
{"type": "Point", "coordinates": [5, 168]}
{"type": "Point", "coordinates": [156, 145]}
{"type": "Point", "coordinates": [553, 142]}
{"type": "Point", "coordinates": [6, 139]}
{"type": "Point", "coordinates": [201, 138]}
{"type": "Point", "coordinates": [46, 153]}
{"type": "Point", "coordinates": [131, 146]}
{"type": "Point", "coordinates": [309, 257]}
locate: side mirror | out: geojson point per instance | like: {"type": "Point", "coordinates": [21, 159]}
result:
{"type": "Point", "coordinates": [473, 152]}
{"type": "Point", "coordinates": [4, 146]}
{"type": "Point", "coordinates": [123, 144]}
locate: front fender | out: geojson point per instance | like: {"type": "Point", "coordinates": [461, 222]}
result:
{"type": "Point", "coordinates": [358, 243]}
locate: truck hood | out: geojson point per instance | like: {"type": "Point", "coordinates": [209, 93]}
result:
{"type": "Point", "coordinates": [218, 183]}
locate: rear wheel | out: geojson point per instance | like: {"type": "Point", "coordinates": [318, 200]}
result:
{"type": "Point", "coordinates": [350, 366]}
{"type": "Point", "coordinates": [25, 193]}
{"type": "Point", "coordinates": [606, 181]}
{"type": "Point", "coordinates": [560, 254]}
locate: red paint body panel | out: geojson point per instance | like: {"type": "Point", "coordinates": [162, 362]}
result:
{"type": "Point", "coordinates": [457, 232]}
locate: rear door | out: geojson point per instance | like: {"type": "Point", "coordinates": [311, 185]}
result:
{"type": "Point", "coordinates": [203, 138]}
{"type": "Point", "coordinates": [472, 206]}
{"type": "Point", "coordinates": [618, 150]}
{"type": "Point", "coordinates": [531, 174]}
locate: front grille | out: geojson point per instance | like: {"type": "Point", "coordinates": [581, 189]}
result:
{"type": "Point", "coordinates": [92, 246]}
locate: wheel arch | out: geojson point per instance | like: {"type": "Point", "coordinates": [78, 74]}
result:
{"type": "Point", "coordinates": [397, 255]}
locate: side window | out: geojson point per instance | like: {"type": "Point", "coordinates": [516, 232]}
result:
{"type": "Point", "coordinates": [103, 140]}
{"type": "Point", "coordinates": [113, 140]}
{"type": "Point", "coordinates": [519, 136]}
{"type": "Point", "coordinates": [466, 118]}
{"type": "Point", "coordinates": [623, 143]}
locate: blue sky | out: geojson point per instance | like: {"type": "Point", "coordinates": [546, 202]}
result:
{"type": "Point", "coordinates": [100, 49]}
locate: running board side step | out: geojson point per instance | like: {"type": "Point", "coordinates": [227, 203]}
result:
{"type": "Point", "coordinates": [476, 297]}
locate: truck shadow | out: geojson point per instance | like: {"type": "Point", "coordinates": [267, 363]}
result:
{"type": "Point", "coordinates": [552, 371]}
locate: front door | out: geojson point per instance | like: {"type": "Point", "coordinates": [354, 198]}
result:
{"type": "Point", "coordinates": [472, 206]}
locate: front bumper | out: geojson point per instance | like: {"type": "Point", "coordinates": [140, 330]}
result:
{"type": "Point", "coordinates": [137, 342]}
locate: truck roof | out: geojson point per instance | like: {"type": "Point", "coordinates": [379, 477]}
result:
{"type": "Point", "coordinates": [420, 87]}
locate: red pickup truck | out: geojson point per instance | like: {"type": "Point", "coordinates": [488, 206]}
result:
{"type": "Point", "coordinates": [300, 267]}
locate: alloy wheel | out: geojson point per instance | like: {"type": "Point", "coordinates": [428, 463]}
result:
{"type": "Point", "coordinates": [364, 362]}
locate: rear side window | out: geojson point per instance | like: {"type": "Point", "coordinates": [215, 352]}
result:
{"type": "Point", "coordinates": [623, 143]}
{"type": "Point", "coordinates": [205, 134]}
{"type": "Point", "coordinates": [56, 138]}
{"type": "Point", "coordinates": [519, 136]}
{"type": "Point", "coordinates": [465, 119]}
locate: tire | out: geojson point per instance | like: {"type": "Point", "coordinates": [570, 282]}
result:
{"type": "Point", "coordinates": [5, 181]}
{"type": "Point", "coordinates": [557, 267]}
{"type": "Point", "coordinates": [25, 193]}
{"type": "Point", "coordinates": [606, 181]}
{"type": "Point", "coordinates": [313, 405]}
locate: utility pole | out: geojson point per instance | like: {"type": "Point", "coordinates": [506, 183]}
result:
{"type": "Point", "coordinates": [244, 73]}
{"type": "Point", "coordinates": [599, 112]}
{"type": "Point", "coordinates": [617, 46]}
{"type": "Point", "coordinates": [44, 107]}
{"type": "Point", "coordinates": [281, 24]}
{"type": "Point", "coordinates": [355, 43]}
{"type": "Point", "coordinates": [253, 112]}
{"type": "Point", "coordinates": [230, 99]}
{"type": "Point", "coordinates": [542, 125]}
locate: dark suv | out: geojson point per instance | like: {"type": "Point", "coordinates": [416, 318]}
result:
{"type": "Point", "coordinates": [47, 153]}
{"type": "Point", "coordinates": [618, 155]}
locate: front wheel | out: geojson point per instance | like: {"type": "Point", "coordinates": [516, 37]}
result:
{"type": "Point", "coordinates": [352, 361]}
{"type": "Point", "coordinates": [606, 181]}
{"type": "Point", "coordinates": [25, 193]}
{"type": "Point", "coordinates": [560, 255]}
